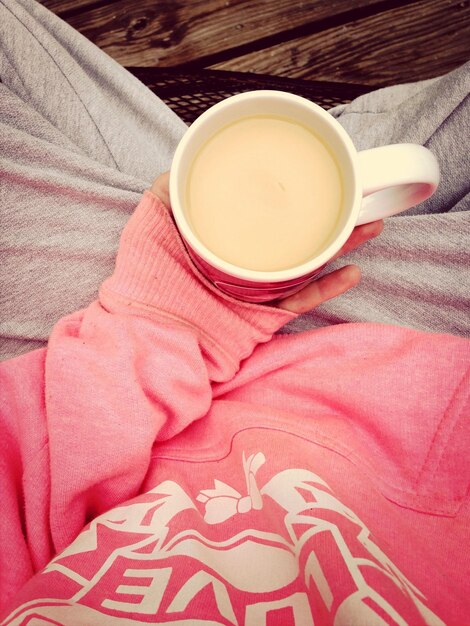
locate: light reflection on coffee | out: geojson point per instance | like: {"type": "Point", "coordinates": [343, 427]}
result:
{"type": "Point", "coordinates": [264, 193]}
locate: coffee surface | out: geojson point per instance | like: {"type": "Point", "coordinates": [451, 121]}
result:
{"type": "Point", "coordinates": [264, 193]}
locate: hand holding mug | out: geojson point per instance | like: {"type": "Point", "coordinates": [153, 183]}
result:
{"type": "Point", "coordinates": [266, 188]}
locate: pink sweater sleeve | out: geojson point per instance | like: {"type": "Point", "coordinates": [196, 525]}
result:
{"type": "Point", "coordinates": [132, 369]}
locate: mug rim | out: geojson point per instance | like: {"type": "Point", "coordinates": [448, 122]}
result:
{"type": "Point", "coordinates": [262, 276]}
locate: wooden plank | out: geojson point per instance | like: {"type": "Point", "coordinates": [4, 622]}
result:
{"type": "Point", "coordinates": [62, 7]}
{"type": "Point", "coordinates": [422, 40]}
{"type": "Point", "coordinates": [172, 32]}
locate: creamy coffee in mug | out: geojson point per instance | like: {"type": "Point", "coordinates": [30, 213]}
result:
{"type": "Point", "coordinates": [264, 193]}
{"type": "Point", "coordinates": [266, 187]}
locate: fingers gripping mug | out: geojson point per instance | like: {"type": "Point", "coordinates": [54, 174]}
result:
{"type": "Point", "coordinates": [266, 187]}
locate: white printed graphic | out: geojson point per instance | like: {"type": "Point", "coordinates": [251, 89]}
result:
{"type": "Point", "coordinates": [314, 563]}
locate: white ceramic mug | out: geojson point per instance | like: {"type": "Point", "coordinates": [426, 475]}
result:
{"type": "Point", "coordinates": [377, 183]}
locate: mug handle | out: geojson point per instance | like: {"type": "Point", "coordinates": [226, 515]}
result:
{"type": "Point", "coordinates": [395, 178]}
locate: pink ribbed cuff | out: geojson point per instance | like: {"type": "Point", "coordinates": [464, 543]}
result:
{"type": "Point", "coordinates": [155, 276]}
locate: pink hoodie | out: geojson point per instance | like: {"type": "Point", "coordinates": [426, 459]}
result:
{"type": "Point", "coordinates": [172, 480]}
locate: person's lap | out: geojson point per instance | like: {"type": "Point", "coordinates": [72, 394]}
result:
{"type": "Point", "coordinates": [416, 272]}
{"type": "Point", "coordinates": [81, 139]}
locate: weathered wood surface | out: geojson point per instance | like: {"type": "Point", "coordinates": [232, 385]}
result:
{"type": "Point", "coordinates": [62, 7]}
{"type": "Point", "coordinates": [374, 42]}
{"type": "Point", "coordinates": [171, 32]}
{"type": "Point", "coordinates": [422, 40]}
